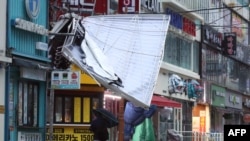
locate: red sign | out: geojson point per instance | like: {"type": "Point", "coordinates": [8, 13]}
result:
{"type": "Point", "coordinates": [189, 26]}
{"type": "Point", "coordinates": [80, 7]}
{"type": "Point", "coordinates": [128, 6]}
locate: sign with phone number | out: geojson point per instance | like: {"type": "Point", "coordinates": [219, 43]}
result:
{"type": "Point", "coordinates": [71, 137]}
{"type": "Point", "coordinates": [70, 134]}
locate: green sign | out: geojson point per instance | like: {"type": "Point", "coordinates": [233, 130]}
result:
{"type": "Point", "coordinates": [218, 95]}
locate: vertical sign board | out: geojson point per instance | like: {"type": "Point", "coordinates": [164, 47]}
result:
{"type": "Point", "coordinates": [240, 27]}
{"type": "Point", "coordinates": [65, 80]}
{"type": "Point", "coordinates": [229, 43]}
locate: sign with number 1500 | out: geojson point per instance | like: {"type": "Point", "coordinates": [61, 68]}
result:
{"type": "Point", "coordinates": [70, 134]}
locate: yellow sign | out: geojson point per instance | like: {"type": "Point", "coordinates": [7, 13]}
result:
{"type": "Point", "coordinates": [85, 78]}
{"type": "Point", "coordinates": [70, 134]}
{"type": "Point", "coordinates": [1, 109]}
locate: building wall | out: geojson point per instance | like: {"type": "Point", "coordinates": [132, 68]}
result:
{"type": "Point", "coordinates": [3, 63]}
{"type": "Point", "coordinates": [26, 91]}
{"type": "Point", "coordinates": [2, 104]}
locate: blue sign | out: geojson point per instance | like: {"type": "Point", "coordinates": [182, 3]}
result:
{"type": "Point", "coordinates": [176, 18]}
{"type": "Point", "coordinates": [32, 8]}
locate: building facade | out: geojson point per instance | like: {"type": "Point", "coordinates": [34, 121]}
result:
{"type": "Point", "coordinates": [4, 62]}
{"type": "Point", "coordinates": [26, 76]}
{"type": "Point", "coordinates": [219, 63]}
{"type": "Point", "coordinates": [207, 45]}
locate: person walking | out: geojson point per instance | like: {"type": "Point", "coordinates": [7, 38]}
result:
{"type": "Point", "coordinates": [99, 128]}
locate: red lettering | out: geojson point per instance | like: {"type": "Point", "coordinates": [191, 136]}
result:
{"type": "Point", "coordinates": [189, 27]}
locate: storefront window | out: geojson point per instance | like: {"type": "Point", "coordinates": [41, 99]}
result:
{"type": "Point", "coordinates": [113, 6]}
{"type": "Point", "coordinates": [86, 109]}
{"type": "Point", "coordinates": [182, 53]}
{"type": "Point", "coordinates": [74, 109]}
{"type": "Point", "coordinates": [27, 104]}
{"type": "Point", "coordinates": [68, 109]}
{"type": "Point", "coordinates": [58, 109]}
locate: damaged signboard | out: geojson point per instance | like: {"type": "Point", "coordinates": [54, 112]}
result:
{"type": "Point", "coordinates": [121, 52]}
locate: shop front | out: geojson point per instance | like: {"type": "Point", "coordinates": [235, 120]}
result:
{"type": "Point", "coordinates": [27, 75]}
{"type": "Point", "coordinates": [72, 108]}
{"type": "Point", "coordinates": [4, 61]}
{"type": "Point", "coordinates": [233, 103]}
{"type": "Point", "coordinates": [218, 97]}
{"type": "Point", "coordinates": [200, 118]}
{"type": "Point", "coordinates": [173, 86]}
{"type": "Point", "coordinates": [168, 116]}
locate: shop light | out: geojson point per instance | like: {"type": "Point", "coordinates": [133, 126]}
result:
{"type": "Point", "coordinates": [111, 96]}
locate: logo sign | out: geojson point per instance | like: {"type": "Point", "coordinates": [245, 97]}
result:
{"type": "Point", "coordinates": [235, 132]}
{"type": "Point", "coordinates": [32, 8]}
{"type": "Point", "coordinates": [65, 80]}
{"type": "Point", "coordinates": [234, 99]}
{"type": "Point", "coordinates": [247, 103]}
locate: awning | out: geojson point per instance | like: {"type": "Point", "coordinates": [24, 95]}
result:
{"type": "Point", "coordinates": [163, 101]}
{"type": "Point", "coordinates": [31, 63]}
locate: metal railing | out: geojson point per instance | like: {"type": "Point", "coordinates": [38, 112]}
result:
{"type": "Point", "coordinates": [200, 136]}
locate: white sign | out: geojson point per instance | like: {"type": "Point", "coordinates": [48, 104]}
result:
{"type": "Point", "coordinates": [29, 136]}
{"type": "Point", "coordinates": [247, 102]}
{"type": "Point", "coordinates": [135, 56]}
{"type": "Point", "coordinates": [35, 74]}
{"type": "Point", "coordinates": [234, 99]}
{"type": "Point", "coordinates": [42, 46]}
{"type": "Point", "coordinates": [31, 27]}
{"type": "Point", "coordinates": [65, 80]}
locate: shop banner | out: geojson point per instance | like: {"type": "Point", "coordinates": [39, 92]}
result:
{"type": "Point", "coordinates": [233, 100]}
{"type": "Point", "coordinates": [218, 96]}
{"type": "Point", "coordinates": [71, 134]}
{"type": "Point", "coordinates": [65, 80]}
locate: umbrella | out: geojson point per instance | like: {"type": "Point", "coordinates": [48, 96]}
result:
{"type": "Point", "coordinates": [110, 119]}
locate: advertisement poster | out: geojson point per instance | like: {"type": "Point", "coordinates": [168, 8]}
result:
{"type": "Point", "coordinates": [240, 27]}
{"type": "Point", "coordinates": [196, 124]}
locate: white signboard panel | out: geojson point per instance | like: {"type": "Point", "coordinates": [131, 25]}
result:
{"type": "Point", "coordinates": [65, 80]}
{"type": "Point", "coordinates": [128, 45]}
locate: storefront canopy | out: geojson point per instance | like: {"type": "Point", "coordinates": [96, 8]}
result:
{"type": "Point", "coordinates": [163, 101]}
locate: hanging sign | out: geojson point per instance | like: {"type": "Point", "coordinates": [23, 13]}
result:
{"type": "Point", "coordinates": [230, 43]}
